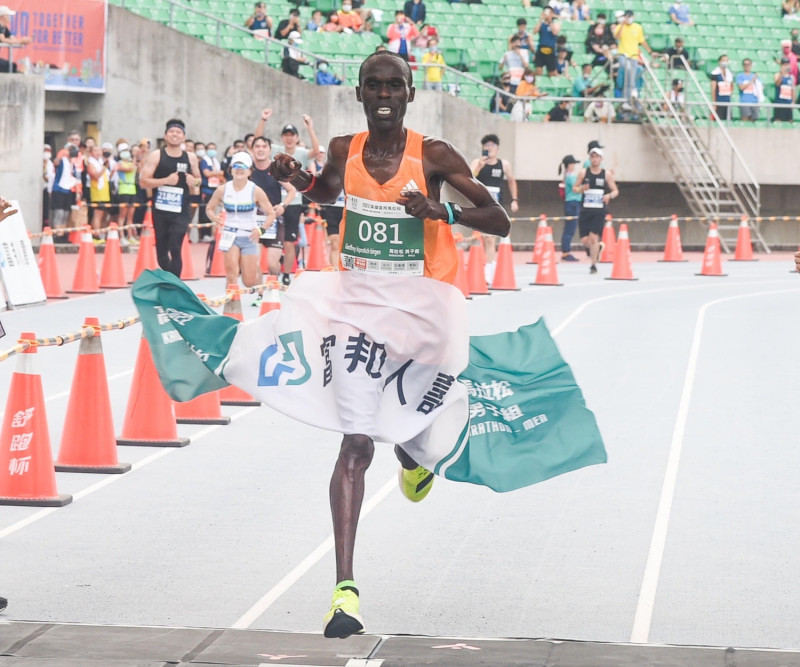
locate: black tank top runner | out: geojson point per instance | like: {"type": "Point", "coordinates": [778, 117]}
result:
{"type": "Point", "coordinates": [268, 184]}
{"type": "Point", "coordinates": [492, 176]}
{"type": "Point", "coordinates": [169, 165]}
{"type": "Point", "coordinates": [593, 197]}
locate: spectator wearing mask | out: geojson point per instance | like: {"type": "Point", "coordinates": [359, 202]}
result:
{"type": "Point", "coordinates": [502, 102]}
{"type": "Point", "coordinates": [600, 110]}
{"type": "Point", "coordinates": [786, 52]}
{"type": "Point", "coordinates": [784, 93]}
{"type": "Point", "coordinates": [583, 86]}
{"type": "Point", "coordinates": [258, 22]}
{"type": "Point", "coordinates": [415, 11]}
{"type": "Point", "coordinates": [679, 13]}
{"type": "Point", "coordinates": [332, 25]}
{"type": "Point", "coordinates": [528, 91]}
{"type": "Point", "coordinates": [547, 28]}
{"type": "Point", "coordinates": [676, 95]}
{"type": "Point", "coordinates": [349, 20]}
{"type": "Point", "coordinates": [600, 42]}
{"type": "Point", "coordinates": [401, 34]}
{"type": "Point", "coordinates": [721, 86]}
{"type": "Point", "coordinates": [293, 57]}
{"type": "Point", "coordinates": [674, 54]}
{"type": "Point", "coordinates": [99, 169]}
{"type": "Point", "coordinates": [289, 25]}
{"type": "Point", "coordinates": [580, 11]}
{"type": "Point", "coordinates": [7, 38]}
{"type": "Point", "coordinates": [747, 82]}
{"type": "Point", "coordinates": [514, 61]}
{"type": "Point", "coordinates": [434, 73]}
{"type": "Point", "coordinates": [324, 75]}
{"type": "Point", "coordinates": [630, 38]}
{"type": "Point", "coordinates": [558, 114]}
{"type": "Point", "coordinates": [562, 62]}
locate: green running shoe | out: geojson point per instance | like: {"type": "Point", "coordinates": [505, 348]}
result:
{"type": "Point", "coordinates": [343, 618]}
{"type": "Point", "coordinates": [415, 484]}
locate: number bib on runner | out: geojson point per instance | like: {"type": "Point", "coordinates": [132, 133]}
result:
{"type": "Point", "coordinates": [593, 198]}
{"type": "Point", "coordinates": [227, 238]}
{"type": "Point", "coordinates": [169, 198]}
{"type": "Point", "coordinates": [380, 237]}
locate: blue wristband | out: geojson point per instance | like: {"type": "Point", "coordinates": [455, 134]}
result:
{"type": "Point", "coordinates": [450, 219]}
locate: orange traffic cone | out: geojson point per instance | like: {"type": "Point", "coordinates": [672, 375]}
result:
{"type": "Point", "coordinates": [547, 274]}
{"type": "Point", "coordinates": [88, 443]}
{"type": "Point", "coordinates": [461, 281]}
{"type": "Point", "coordinates": [537, 244]}
{"type": "Point", "coordinates": [149, 415]}
{"type": "Point", "coordinates": [476, 276]}
{"type": "Point", "coordinates": [27, 476]}
{"type": "Point", "coordinates": [795, 269]}
{"type": "Point", "coordinates": [504, 273]}
{"type": "Point", "coordinates": [271, 299]}
{"type": "Point", "coordinates": [712, 256]}
{"type": "Point", "coordinates": [146, 257]}
{"type": "Point", "coordinates": [744, 245]}
{"type": "Point", "coordinates": [187, 271]}
{"type": "Point", "coordinates": [205, 409]}
{"type": "Point", "coordinates": [609, 242]}
{"type": "Point", "coordinates": [622, 269]}
{"type": "Point", "coordinates": [48, 268]}
{"type": "Point", "coordinates": [112, 275]}
{"type": "Point", "coordinates": [673, 250]}
{"type": "Point", "coordinates": [86, 280]}
{"type": "Point", "coordinates": [316, 254]}
{"type": "Point", "coordinates": [217, 259]}
{"type": "Point", "coordinates": [232, 395]}
{"type": "Point", "coordinates": [263, 261]}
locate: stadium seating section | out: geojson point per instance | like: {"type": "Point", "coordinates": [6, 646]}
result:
{"type": "Point", "coordinates": [473, 37]}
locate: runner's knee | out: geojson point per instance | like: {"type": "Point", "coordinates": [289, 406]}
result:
{"type": "Point", "coordinates": [356, 452]}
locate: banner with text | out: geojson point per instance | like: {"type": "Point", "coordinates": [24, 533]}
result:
{"type": "Point", "coordinates": [68, 42]}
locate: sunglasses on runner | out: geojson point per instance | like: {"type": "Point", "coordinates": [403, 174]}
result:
{"type": "Point", "coordinates": [239, 165]}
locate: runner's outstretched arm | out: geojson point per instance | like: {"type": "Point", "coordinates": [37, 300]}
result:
{"type": "Point", "coordinates": [325, 188]}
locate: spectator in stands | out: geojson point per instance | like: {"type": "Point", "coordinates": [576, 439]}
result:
{"type": "Point", "coordinates": [332, 25]}
{"type": "Point", "coordinates": [630, 38]}
{"type": "Point", "coordinates": [324, 75]}
{"type": "Point", "coordinates": [415, 11]}
{"type": "Point", "coordinates": [600, 41]}
{"type": "Point", "coordinates": [600, 110]}
{"type": "Point", "coordinates": [676, 96]}
{"type": "Point", "coordinates": [401, 34]}
{"type": "Point", "coordinates": [258, 21]}
{"type": "Point", "coordinates": [316, 22]}
{"type": "Point", "coordinates": [790, 10]}
{"type": "Point", "coordinates": [292, 56]}
{"type": "Point", "coordinates": [562, 62]}
{"type": "Point", "coordinates": [795, 34]}
{"type": "Point", "coordinates": [559, 113]}
{"type": "Point", "coordinates": [547, 28]}
{"type": "Point", "coordinates": [747, 82]}
{"type": "Point", "coordinates": [526, 39]}
{"type": "Point", "coordinates": [786, 52]}
{"type": "Point", "coordinates": [527, 90]}
{"type": "Point", "coordinates": [721, 86]}
{"type": "Point", "coordinates": [679, 13]}
{"type": "Point", "coordinates": [561, 8]}
{"type": "Point", "coordinates": [784, 93]}
{"type": "Point", "coordinates": [434, 73]}
{"type": "Point", "coordinates": [515, 61]}
{"type": "Point", "coordinates": [211, 176]}
{"type": "Point", "coordinates": [7, 38]}
{"type": "Point", "coordinates": [99, 169]}
{"type": "Point", "coordinates": [580, 11]}
{"type": "Point", "coordinates": [48, 178]}
{"type": "Point", "coordinates": [583, 86]}
{"type": "Point", "coordinates": [349, 20]}
{"type": "Point", "coordinates": [561, 43]}
{"type": "Point", "coordinates": [289, 25]}
{"type": "Point", "coordinates": [674, 54]}
{"type": "Point", "coordinates": [502, 102]}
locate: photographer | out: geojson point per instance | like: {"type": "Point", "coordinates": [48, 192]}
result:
{"type": "Point", "coordinates": [66, 179]}
{"type": "Point", "coordinates": [258, 22]}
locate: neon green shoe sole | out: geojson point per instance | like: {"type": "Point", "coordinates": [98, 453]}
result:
{"type": "Point", "coordinates": [343, 618]}
{"type": "Point", "coordinates": [415, 484]}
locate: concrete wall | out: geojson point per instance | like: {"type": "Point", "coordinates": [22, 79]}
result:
{"type": "Point", "coordinates": [21, 132]}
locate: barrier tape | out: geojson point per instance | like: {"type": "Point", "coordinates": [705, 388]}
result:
{"type": "Point", "coordinates": [667, 218]}
{"type": "Point", "coordinates": [89, 330]}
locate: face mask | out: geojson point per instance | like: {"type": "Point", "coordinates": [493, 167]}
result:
{"type": "Point", "coordinates": [106, 154]}
{"type": "Point", "coordinates": [434, 48]}
{"type": "Point", "coordinates": [323, 67]}
{"type": "Point", "coordinates": [629, 20]}
{"type": "Point", "coordinates": [47, 155]}
{"type": "Point", "coordinates": [200, 152]}
{"type": "Point", "coordinates": [125, 155]}
{"type": "Point", "coordinates": [723, 65]}
{"type": "Point", "coordinates": [601, 21]}
{"type": "Point", "coordinates": [211, 152]}
{"type": "Point", "coordinates": [346, 8]}
{"type": "Point", "coordinates": [529, 79]}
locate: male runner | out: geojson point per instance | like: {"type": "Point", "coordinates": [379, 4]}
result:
{"type": "Point", "coordinates": [272, 239]}
{"type": "Point", "coordinates": [492, 171]}
{"type": "Point", "coordinates": [172, 172]}
{"type": "Point", "coordinates": [598, 188]}
{"type": "Point", "coordinates": [397, 170]}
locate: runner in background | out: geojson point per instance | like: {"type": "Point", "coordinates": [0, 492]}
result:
{"type": "Point", "coordinates": [598, 188]}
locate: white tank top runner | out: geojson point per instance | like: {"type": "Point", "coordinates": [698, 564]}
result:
{"type": "Point", "coordinates": [240, 207]}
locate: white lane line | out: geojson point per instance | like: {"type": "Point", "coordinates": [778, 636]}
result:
{"type": "Point", "coordinates": [252, 614]}
{"type": "Point", "coordinates": [155, 456]}
{"type": "Point", "coordinates": [643, 617]}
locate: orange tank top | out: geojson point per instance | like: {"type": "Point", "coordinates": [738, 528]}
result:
{"type": "Point", "coordinates": [440, 256]}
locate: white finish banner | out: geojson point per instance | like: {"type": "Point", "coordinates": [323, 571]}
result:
{"type": "Point", "coordinates": [19, 270]}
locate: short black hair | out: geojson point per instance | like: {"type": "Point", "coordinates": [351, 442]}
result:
{"type": "Point", "coordinates": [263, 138]}
{"type": "Point", "coordinates": [247, 136]}
{"type": "Point", "coordinates": [386, 54]}
{"type": "Point", "coordinates": [294, 12]}
{"type": "Point", "coordinates": [601, 15]}
{"type": "Point", "coordinates": [175, 121]}
{"type": "Point", "coordinates": [490, 137]}
{"type": "Point", "coordinates": [522, 21]}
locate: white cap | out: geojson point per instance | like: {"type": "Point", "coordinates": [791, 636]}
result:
{"type": "Point", "coordinates": [242, 158]}
{"type": "Point", "coordinates": [123, 147]}
{"type": "Point", "coordinates": [5, 11]}
{"type": "Point", "coordinates": [295, 37]}
{"type": "Point", "coordinates": [107, 146]}
{"type": "Point", "coordinates": [599, 151]}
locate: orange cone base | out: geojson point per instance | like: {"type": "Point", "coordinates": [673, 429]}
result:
{"type": "Point", "coordinates": [714, 275]}
{"type": "Point", "coordinates": [221, 421]}
{"type": "Point", "coordinates": [179, 442]}
{"type": "Point", "coordinates": [673, 261]}
{"type": "Point", "coordinates": [628, 279]}
{"type": "Point", "coordinates": [54, 501]}
{"type": "Point", "coordinates": [547, 284]}
{"type": "Point", "coordinates": [115, 469]}
{"type": "Point", "coordinates": [733, 259]}
{"type": "Point", "coordinates": [79, 291]}
{"type": "Point", "coordinates": [505, 289]}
